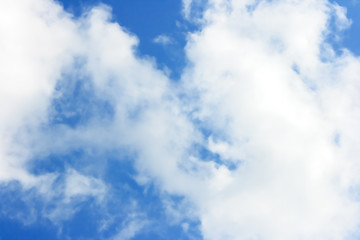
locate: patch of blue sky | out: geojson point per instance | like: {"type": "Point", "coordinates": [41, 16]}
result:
{"type": "Point", "coordinates": [201, 150]}
{"type": "Point", "coordinates": [149, 202]}
{"type": "Point", "coordinates": [204, 154]}
{"type": "Point", "coordinates": [15, 230]}
{"type": "Point", "coordinates": [75, 103]}
{"type": "Point", "coordinates": [90, 217]}
{"type": "Point", "coordinates": [19, 215]}
{"type": "Point", "coordinates": [28, 223]}
{"type": "Point", "coordinates": [351, 36]}
{"type": "Point", "coordinates": [57, 163]}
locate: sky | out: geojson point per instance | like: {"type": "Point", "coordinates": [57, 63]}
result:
{"type": "Point", "coordinates": [170, 119]}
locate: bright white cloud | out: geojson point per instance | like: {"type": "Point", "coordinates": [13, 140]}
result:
{"type": "Point", "coordinates": [31, 61]}
{"type": "Point", "coordinates": [263, 75]}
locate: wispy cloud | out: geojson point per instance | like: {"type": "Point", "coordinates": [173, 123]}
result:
{"type": "Point", "coordinates": [163, 39]}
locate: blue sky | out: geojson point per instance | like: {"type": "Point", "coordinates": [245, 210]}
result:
{"type": "Point", "coordinates": [137, 119]}
{"type": "Point", "coordinates": [351, 36]}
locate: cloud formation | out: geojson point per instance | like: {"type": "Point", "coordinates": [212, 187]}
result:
{"type": "Point", "coordinates": [273, 93]}
{"type": "Point", "coordinates": [259, 137]}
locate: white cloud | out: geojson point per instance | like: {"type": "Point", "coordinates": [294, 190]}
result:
{"type": "Point", "coordinates": [31, 61]}
{"type": "Point", "coordinates": [187, 8]}
{"type": "Point", "coordinates": [77, 185]}
{"type": "Point", "coordinates": [131, 229]}
{"type": "Point", "coordinates": [293, 180]}
{"type": "Point", "coordinates": [163, 39]}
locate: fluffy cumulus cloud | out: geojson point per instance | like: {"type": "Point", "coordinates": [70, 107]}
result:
{"type": "Point", "coordinates": [259, 138]}
{"type": "Point", "coordinates": [281, 106]}
{"type": "Point", "coordinates": [31, 61]}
